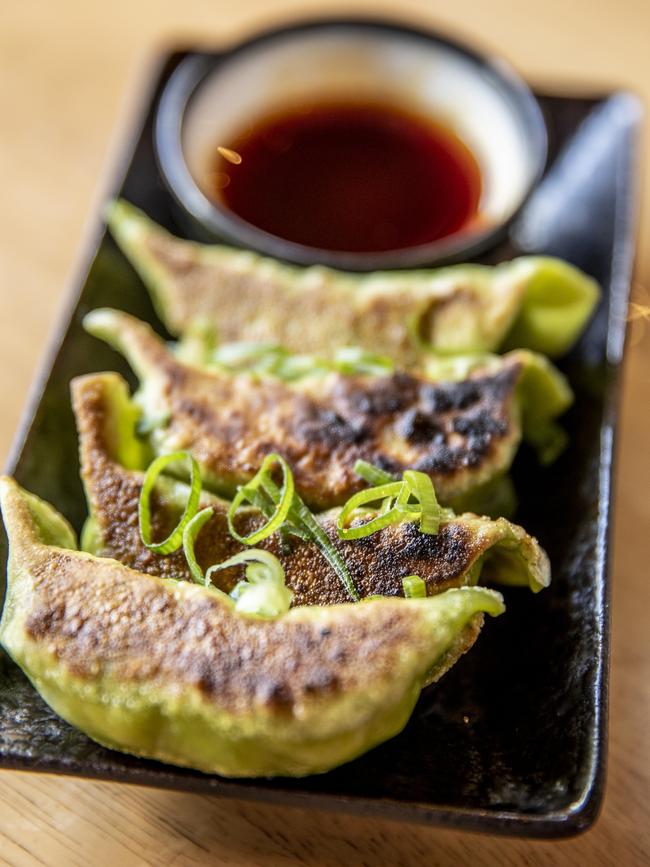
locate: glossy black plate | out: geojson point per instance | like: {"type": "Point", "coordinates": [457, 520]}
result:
{"type": "Point", "coordinates": [513, 739]}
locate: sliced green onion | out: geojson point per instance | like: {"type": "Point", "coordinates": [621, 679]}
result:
{"type": "Point", "coordinates": [275, 360]}
{"type": "Point", "coordinates": [261, 484]}
{"type": "Point", "coordinates": [424, 492]}
{"type": "Point", "coordinates": [286, 512]}
{"type": "Point", "coordinates": [245, 354]}
{"type": "Point", "coordinates": [190, 533]}
{"type": "Point", "coordinates": [264, 592]}
{"type": "Point", "coordinates": [262, 565]}
{"type": "Point", "coordinates": [303, 524]}
{"type": "Point", "coordinates": [372, 474]}
{"type": "Point", "coordinates": [375, 476]}
{"type": "Point", "coordinates": [396, 506]}
{"type": "Point", "coordinates": [292, 367]}
{"type": "Point", "coordinates": [175, 539]}
{"type": "Point", "coordinates": [366, 498]}
{"type": "Point", "coordinates": [414, 587]}
{"type": "Point", "coordinates": [354, 360]}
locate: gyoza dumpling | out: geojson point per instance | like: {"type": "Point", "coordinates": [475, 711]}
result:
{"type": "Point", "coordinates": [537, 303]}
{"type": "Point", "coordinates": [467, 548]}
{"type": "Point", "coordinates": [463, 434]}
{"type": "Point", "coordinates": [169, 670]}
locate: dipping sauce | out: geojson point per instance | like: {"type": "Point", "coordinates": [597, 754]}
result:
{"type": "Point", "coordinates": [349, 177]}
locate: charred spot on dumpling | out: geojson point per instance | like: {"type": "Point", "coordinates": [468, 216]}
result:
{"type": "Point", "coordinates": [323, 425]}
{"type": "Point", "coordinates": [449, 397]}
{"type": "Point", "coordinates": [443, 460]}
{"type": "Point", "coordinates": [383, 396]}
{"type": "Point", "coordinates": [451, 547]}
{"type": "Point", "coordinates": [420, 427]}
{"type": "Point", "coordinates": [481, 424]}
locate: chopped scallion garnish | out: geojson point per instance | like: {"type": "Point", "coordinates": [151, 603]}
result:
{"type": "Point", "coordinates": [372, 474]}
{"type": "Point", "coordinates": [245, 355]}
{"type": "Point", "coordinates": [385, 493]}
{"type": "Point", "coordinates": [190, 533]}
{"type": "Point", "coordinates": [264, 592]}
{"type": "Point", "coordinates": [285, 510]}
{"type": "Point", "coordinates": [412, 499]}
{"type": "Point", "coordinates": [261, 488]}
{"type": "Point", "coordinates": [175, 539]}
{"type": "Point", "coordinates": [274, 360]}
{"type": "Point", "coordinates": [354, 360]}
{"type": "Point", "coordinates": [421, 488]}
{"type": "Point", "coordinates": [414, 587]}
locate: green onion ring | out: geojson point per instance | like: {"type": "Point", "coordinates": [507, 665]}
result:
{"type": "Point", "coordinates": [175, 539]}
{"type": "Point", "coordinates": [414, 587]}
{"type": "Point", "coordinates": [263, 592]}
{"type": "Point", "coordinates": [191, 531]}
{"type": "Point", "coordinates": [287, 513]}
{"type": "Point", "coordinates": [291, 525]}
{"type": "Point", "coordinates": [422, 489]}
{"type": "Point", "coordinates": [375, 476]}
{"type": "Point", "coordinates": [250, 493]}
{"type": "Point", "coordinates": [271, 567]}
{"type": "Point", "coordinates": [372, 474]}
{"type": "Point", "coordinates": [351, 360]}
{"type": "Point", "coordinates": [295, 518]}
{"type": "Point", "coordinates": [396, 506]}
{"type": "Point", "coordinates": [370, 495]}
{"type": "Point", "coordinates": [244, 354]}
{"type": "Point", "coordinates": [272, 359]}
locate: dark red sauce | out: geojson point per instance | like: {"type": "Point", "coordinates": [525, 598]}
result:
{"type": "Point", "coordinates": [351, 177]}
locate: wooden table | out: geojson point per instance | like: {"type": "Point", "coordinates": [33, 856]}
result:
{"type": "Point", "coordinates": [65, 69]}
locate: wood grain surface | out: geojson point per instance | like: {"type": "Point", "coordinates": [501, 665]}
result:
{"type": "Point", "coordinates": [68, 71]}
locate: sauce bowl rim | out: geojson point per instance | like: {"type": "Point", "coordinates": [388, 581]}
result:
{"type": "Point", "coordinates": [220, 225]}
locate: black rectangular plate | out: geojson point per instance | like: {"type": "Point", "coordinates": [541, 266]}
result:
{"type": "Point", "coordinates": [513, 739]}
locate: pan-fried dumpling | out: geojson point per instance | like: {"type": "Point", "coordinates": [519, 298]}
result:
{"type": "Point", "coordinates": [463, 434]}
{"type": "Point", "coordinates": [537, 303]}
{"type": "Point", "coordinates": [467, 548]}
{"type": "Point", "coordinates": [169, 670]}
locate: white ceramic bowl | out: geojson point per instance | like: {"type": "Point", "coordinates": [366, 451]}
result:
{"type": "Point", "coordinates": [210, 99]}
